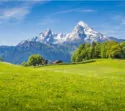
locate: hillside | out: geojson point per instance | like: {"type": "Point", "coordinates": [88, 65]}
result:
{"type": "Point", "coordinates": [97, 86]}
{"type": "Point", "coordinates": [19, 54]}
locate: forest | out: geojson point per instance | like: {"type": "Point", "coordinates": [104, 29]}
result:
{"type": "Point", "coordinates": [108, 49]}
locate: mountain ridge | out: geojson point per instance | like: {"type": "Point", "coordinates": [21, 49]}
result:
{"type": "Point", "coordinates": [80, 34]}
{"type": "Point", "coordinates": [53, 46]}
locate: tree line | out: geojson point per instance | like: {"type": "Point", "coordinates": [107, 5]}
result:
{"type": "Point", "coordinates": [108, 49]}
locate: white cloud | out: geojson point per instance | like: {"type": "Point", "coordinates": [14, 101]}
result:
{"type": "Point", "coordinates": [76, 10]}
{"type": "Point", "coordinates": [86, 10]}
{"type": "Point", "coordinates": [17, 13]}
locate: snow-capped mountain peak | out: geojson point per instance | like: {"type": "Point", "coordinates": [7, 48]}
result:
{"type": "Point", "coordinates": [84, 27]}
{"type": "Point", "coordinates": [48, 32]}
{"type": "Point", "coordinates": [83, 24]}
{"type": "Point", "coordinates": [83, 33]}
{"type": "Point", "coordinates": [80, 34]}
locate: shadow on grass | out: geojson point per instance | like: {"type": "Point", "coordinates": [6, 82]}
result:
{"type": "Point", "coordinates": [74, 63]}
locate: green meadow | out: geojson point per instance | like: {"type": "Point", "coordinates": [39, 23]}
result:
{"type": "Point", "coordinates": [96, 86]}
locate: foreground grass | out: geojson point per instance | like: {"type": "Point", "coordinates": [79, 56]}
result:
{"type": "Point", "coordinates": [97, 86]}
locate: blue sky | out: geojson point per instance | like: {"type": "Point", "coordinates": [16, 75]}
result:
{"type": "Point", "coordinates": [23, 19]}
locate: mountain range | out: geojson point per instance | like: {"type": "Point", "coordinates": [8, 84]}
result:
{"type": "Point", "coordinates": [53, 46]}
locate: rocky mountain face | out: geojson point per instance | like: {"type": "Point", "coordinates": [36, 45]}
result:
{"type": "Point", "coordinates": [53, 46]}
{"type": "Point", "coordinates": [81, 33]}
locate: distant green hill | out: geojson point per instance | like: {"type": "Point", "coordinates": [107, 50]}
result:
{"type": "Point", "coordinates": [96, 86]}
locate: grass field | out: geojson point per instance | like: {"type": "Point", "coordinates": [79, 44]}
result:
{"type": "Point", "coordinates": [97, 86]}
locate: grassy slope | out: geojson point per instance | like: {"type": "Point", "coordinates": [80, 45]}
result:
{"type": "Point", "coordinates": [98, 86]}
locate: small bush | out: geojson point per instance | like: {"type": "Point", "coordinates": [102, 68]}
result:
{"type": "Point", "coordinates": [35, 60]}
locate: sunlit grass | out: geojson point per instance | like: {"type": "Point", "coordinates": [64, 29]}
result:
{"type": "Point", "coordinates": [97, 86]}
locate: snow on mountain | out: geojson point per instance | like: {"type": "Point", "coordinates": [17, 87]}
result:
{"type": "Point", "coordinates": [48, 37]}
{"type": "Point", "coordinates": [84, 33]}
{"type": "Point", "coordinates": [80, 34]}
